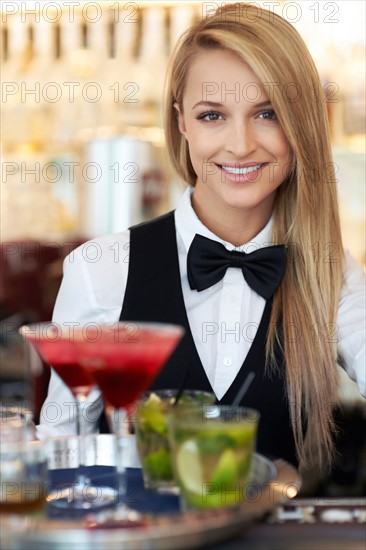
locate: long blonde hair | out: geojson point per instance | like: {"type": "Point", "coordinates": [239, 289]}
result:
{"type": "Point", "coordinates": [306, 215]}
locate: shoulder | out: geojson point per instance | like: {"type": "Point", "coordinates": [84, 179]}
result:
{"type": "Point", "coordinates": [94, 279]}
{"type": "Point", "coordinates": [110, 248]}
{"type": "Point", "coordinates": [100, 268]}
{"type": "Point", "coordinates": [351, 319]}
{"type": "Point", "coordinates": [354, 276]}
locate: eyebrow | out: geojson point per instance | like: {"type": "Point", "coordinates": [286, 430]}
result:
{"type": "Point", "coordinates": [217, 105]}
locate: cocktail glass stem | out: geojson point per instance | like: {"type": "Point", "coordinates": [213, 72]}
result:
{"type": "Point", "coordinates": [82, 479]}
{"type": "Point", "coordinates": [118, 420]}
{"type": "Point", "coordinates": [83, 493]}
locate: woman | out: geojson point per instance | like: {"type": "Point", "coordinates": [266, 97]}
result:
{"type": "Point", "coordinates": [246, 132]}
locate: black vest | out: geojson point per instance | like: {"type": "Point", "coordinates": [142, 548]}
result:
{"type": "Point", "coordinates": [154, 293]}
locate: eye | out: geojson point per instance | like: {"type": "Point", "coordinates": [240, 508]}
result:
{"type": "Point", "coordinates": [269, 114]}
{"type": "Point", "coordinates": [209, 116]}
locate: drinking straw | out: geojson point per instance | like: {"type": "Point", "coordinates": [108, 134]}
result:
{"type": "Point", "coordinates": [243, 390]}
{"type": "Point", "coordinates": [182, 387]}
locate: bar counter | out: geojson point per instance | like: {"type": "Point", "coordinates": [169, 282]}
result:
{"type": "Point", "coordinates": [307, 524]}
{"type": "Point", "coordinates": [289, 524]}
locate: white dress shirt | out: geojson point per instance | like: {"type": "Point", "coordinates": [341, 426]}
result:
{"type": "Point", "coordinates": [223, 319]}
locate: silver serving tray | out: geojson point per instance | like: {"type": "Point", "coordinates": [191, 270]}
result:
{"type": "Point", "coordinates": [273, 483]}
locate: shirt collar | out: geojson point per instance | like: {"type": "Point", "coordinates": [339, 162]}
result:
{"type": "Point", "coordinates": [188, 224]}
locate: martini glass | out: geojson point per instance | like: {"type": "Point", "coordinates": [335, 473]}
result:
{"type": "Point", "coordinates": [57, 346]}
{"type": "Point", "coordinates": [124, 359]}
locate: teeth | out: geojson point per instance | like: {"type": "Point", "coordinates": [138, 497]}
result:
{"type": "Point", "coordinates": [241, 170]}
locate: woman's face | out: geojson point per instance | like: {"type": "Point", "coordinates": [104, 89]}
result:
{"type": "Point", "coordinates": [237, 147]}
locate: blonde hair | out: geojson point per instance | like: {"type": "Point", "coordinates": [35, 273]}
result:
{"type": "Point", "coordinates": [306, 215]}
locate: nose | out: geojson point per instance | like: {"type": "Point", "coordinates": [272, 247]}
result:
{"type": "Point", "coordinates": [240, 139]}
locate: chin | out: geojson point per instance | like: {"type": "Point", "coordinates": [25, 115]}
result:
{"type": "Point", "coordinates": [237, 200]}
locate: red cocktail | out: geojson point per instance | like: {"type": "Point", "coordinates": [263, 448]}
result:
{"type": "Point", "coordinates": [122, 359]}
{"type": "Point", "coordinates": [56, 345]}
{"type": "Point", "coordinates": [61, 354]}
{"type": "Point", "coordinates": [125, 358]}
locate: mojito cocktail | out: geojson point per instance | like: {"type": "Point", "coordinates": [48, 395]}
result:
{"type": "Point", "coordinates": [212, 454]}
{"type": "Point", "coordinates": [152, 432]}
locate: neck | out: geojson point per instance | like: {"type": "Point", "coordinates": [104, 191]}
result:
{"type": "Point", "coordinates": [233, 225]}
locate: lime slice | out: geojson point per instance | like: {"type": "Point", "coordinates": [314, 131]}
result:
{"type": "Point", "coordinates": [152, 417]}
{"type": "Point", "coordinates": [244, 435]}
{"type": "Point", "coordinates": [158, 465]}
{"type": "Point", "coordinates": [245, 463]}
{"type": "Point", "coordinates": [189, 468]}
{"type": "Point", "coordinates": [214, 441]}
{"type": "Point", "coordinates": [226, 471]}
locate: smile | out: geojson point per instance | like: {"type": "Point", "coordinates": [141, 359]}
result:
{"type": "Point", "coordinates": [241, 171]}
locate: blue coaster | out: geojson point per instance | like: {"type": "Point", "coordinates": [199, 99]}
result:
{"type": "Point", "coordinates": [137, 497]}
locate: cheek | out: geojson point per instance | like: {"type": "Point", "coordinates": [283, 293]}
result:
{"type": "Point", "coordinates": [283, 146]}
{"type": "Point", "coordinates": [198, 146]}
{"type": "Point", "coordinates": [283, 151]}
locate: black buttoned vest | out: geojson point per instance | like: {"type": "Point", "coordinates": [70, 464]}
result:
{"type": "Point", "coordinates": [154, 293]}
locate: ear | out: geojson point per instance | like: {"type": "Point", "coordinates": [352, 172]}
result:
{"type": "Point", "coordinates": [180, 116]}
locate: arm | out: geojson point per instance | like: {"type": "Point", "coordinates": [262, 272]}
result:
{"type": "Point", "coordinates": [351, 323]}
{"type": "Point", "coordinates": [92, 290]}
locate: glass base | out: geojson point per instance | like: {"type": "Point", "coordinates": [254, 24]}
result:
{"type": "Point", "coordinates": [86, 497]}
{"type": "Point", "coordinates": [121, 517]}
{"type": "Point", "coordinates": [160, 485]}
{"type": "Point", "coordinates": [168, 490]}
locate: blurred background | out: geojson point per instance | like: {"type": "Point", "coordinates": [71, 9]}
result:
{"type": "Point", "coordinates": [83, 152]}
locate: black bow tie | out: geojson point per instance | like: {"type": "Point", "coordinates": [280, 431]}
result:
{"type": "Point", "coordinates": [208, 261]}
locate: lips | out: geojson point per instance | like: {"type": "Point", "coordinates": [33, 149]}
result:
{"type": "Point", "coordinates": [240, 172]}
